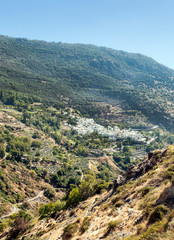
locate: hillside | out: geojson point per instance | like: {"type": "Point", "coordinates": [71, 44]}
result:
{"type": "Point", "coordinates": [40, 153]}
{"type": "Point", "coordinates": [86, 73]}
{"type": "Point", "coordinates": [138, 207]}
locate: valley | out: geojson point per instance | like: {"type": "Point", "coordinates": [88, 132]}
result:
{"type": "Point", "coordinates": [86, 143]}
{"type": "Point", "coordinates": [67, 150]}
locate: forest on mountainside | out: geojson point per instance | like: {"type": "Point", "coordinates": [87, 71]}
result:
{"type": "Point", "coordinates": [83, 74]}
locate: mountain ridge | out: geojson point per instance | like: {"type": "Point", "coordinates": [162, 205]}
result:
{"type": "Point", "coordinates": [87, 73]}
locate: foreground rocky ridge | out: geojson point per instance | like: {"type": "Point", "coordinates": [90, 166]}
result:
{"type": "Point", "coordinates": [139, 208]}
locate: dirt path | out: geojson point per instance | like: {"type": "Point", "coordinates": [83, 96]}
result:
{"type": "Point", "coordinates": [40, 194]}
{"type": "Point", "coordinates": [89, 164]}
{"type": "Point", "coordinates": [14, 210]}
{"type": "Point", "coordinates": [15, 206]}
{"type": "Point", "coordinates": [89, 208]}
{"type": "Point", "coordinates": [92, 224]}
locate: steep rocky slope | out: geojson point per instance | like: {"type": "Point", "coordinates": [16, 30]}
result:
{"type": "Point", "coordinates": [139, 208]}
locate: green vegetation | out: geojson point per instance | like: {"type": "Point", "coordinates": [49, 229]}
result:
{"type": "Point", "coordinates": [51, 208]}
{"type": "Point", "coordinates": [85, 225]}
{"type": "Point", "coordinates": [81, 73]}
{"type": "Point", "coordinates": [89, 186]}
{"type": "Point", "coordinates": [70, 230]}
{"type": "Point", "coordinates": [112, 225]}
{"type": "Point", "coordinates": [160, 139]}
{"type": "Point", "coordinates": [157, 214]}
{"type": "Point", "coordinates": [145, 190]}
{"type": "Point", "coordinates": [118, 204]}
{"type": "Point", "coordinates": [122, 159]}
{"type": "Point", "coordinates": [20, 225]}
{"type": "Point", "coordinates": [49, 193]}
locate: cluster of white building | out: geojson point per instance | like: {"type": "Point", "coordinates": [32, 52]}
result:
{"type": "Point", "coordinates": [88, 125]}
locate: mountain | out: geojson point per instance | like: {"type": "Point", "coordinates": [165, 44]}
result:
{"type": "Point", "coordinates": [86, 73]}
{"type": "Point", "coordinates": [76, 131]}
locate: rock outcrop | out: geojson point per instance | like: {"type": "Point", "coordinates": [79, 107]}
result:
{"type": "Point", "coordinates": [143, 167]}
{"type": "Point", "coordinates": [139, 169]}
{"type": "Point", "coordinates": [167, 196]}
{"type": "Point", "coordinates": [133, 173]}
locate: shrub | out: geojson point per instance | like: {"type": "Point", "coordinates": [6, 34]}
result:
{"type": "Point", "coordinates": [2, 227]}
{"type": "Point", "coordinates": [73, 197]}
{"type": "Point", "coordinates": [72, 121]}
{"type": "Point", "coordinates": [153, 231]}
{"type": "Point", "coordinates": [3, 164]}
{"type": "Point", "coordinates": [112, 225]}
{"type": "Point", "coordinates": [157, 214]}
{"type": "Point", "coordinates": [2, 151]}
{"type": "Point", "coordinates": [47, 209]}
{"type": "Point", "coordinates": [51, 209]}
{"type": "Point", "coordinates": [37, 159]}
{"type": "Point", "coordinates": [57, 137]}
{"type": "Point", "coordinates": [59, 205]}
{"type": "Point", "coordinates": [37, 154]}
{"type": "Point", "coordinates": [36, 144]}
{"type": "Point", "coordinates": [70, 230]}
{"type": "Point", "coordinates": [115, 199]}
{"type": "Point", "coordinates": [49, 193]}
{"type": "Point", "coordinates": [145, 190]}
{"type": "Point", "coordinates": [36, 135]}
{"type": "Point", "coordinates": [119, 203]}
{"type": "Point", "coordinates": [82, 151]}
{"type": "Point", "coordinates": [85, 225]}
{"type": "Point", "coordinates": [87, 186]}
{"type": "Point", "coordinates": [168, 174]}
{"type": "Point", "coordinates": [20, 225]}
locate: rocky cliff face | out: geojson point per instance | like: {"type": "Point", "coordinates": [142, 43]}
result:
{"type": "Point", "coordinates": [138, 170]}
{"type": "Point", "coordinates": [146, 165]}
{"type": "Point", "coordinates": [135, 172]}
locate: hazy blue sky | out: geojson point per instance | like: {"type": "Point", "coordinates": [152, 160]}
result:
{"type": "Point", "coordinates": [144, 26]}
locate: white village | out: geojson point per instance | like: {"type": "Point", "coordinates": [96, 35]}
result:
{"type": "Point", "coordinates": [88, 125]}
